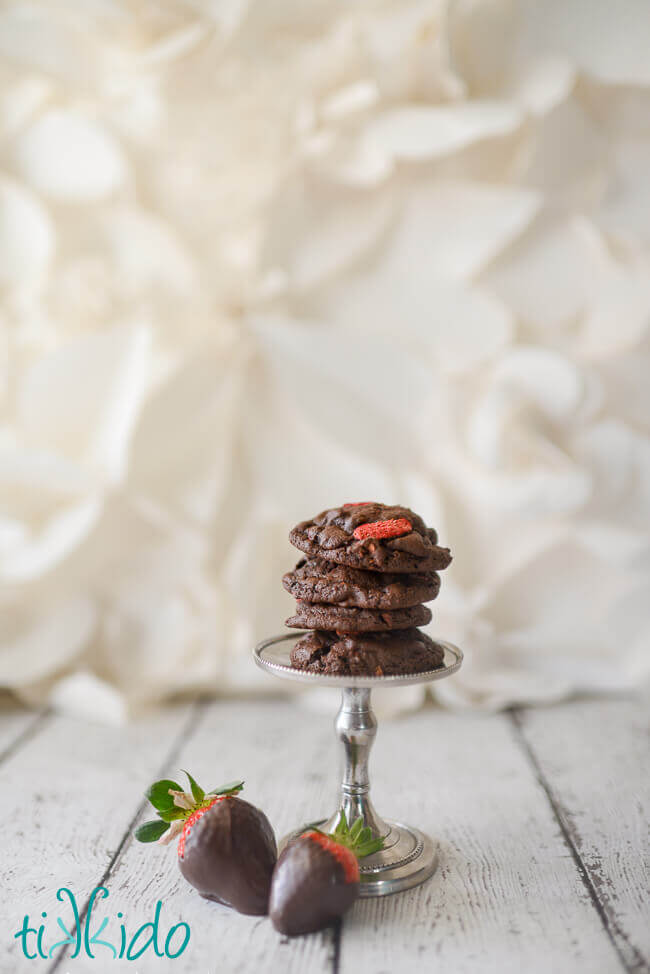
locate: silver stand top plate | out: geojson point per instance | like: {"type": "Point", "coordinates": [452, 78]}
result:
{"type": "Point", "coordinates": [273, 655]}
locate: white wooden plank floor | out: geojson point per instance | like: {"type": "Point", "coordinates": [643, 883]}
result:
{"type": "Point", "coordinates": [542, 816]}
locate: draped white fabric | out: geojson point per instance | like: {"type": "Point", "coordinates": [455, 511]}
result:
{"type": "Point", "coordinates": [262, 258]}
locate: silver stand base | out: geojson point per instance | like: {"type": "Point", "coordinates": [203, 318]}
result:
{"type": "Point", "coordinates": [408, 858]}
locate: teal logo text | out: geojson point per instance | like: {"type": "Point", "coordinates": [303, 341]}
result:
{"type": "Point", "coordinates": [91, 937]}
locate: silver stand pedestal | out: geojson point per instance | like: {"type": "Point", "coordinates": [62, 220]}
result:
{"type": "Point", "coordinates": [408, 857]}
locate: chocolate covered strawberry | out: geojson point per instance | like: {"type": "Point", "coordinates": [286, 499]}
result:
{"type": "Point", "coordinates": [226, 846]}
{"type": "Point", "coordinates": [316, 878]}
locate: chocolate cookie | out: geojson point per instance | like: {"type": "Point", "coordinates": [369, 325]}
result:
{"type": "Point", "coordinates": [372, 536]}
{"type": "Point", "coordinates": [319, 580]}
{"type": "Point", "coordinates": [312, 615]}
{"type": "Point", "coordinates": [376, 654]}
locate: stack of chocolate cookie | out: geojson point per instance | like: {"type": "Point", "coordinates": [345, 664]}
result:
{"type": "Point", "coordinates": [360, 590]}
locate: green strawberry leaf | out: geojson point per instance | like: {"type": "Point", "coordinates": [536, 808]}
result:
{"type": "Point", "coordinates": [230, 788]}
{"type": "Point", "coordinates": [356, 829]}
{"type": "Point", "coordinates": [151, 831]}
{"type": "Point", "coordinates": [173, 814]}
{"type": "Point", "coordinates": [367, 848]}
{"type": "Point", "coordinates": [341, 825]}
{"type": "Point", "coordinates": [158, 794]}
{"type": "Point", "coordinates": [358, 838]}
{"type": "Point", "coordinates": [197, 792]}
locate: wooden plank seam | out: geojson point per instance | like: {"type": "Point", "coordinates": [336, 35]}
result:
{"type": "Point", "coordinates": [610, 925]}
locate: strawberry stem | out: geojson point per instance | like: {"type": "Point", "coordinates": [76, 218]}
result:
{"type": "Point", "coordinates": [358, 838]}
{"type": "Point", "coordinates": [174, 805]}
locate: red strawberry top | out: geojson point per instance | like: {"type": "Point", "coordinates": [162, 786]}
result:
{"type": "Point", "coordinates": [344, 856]}
{"type": "Point", "coordinates": [192, 820]}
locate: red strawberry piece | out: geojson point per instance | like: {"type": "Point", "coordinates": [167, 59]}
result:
{"type": "Point", "coordinates": [192, 820]}
{"type": "Point", "coordinates": [230, 854]}
{"type": "Point", "coordinates": [383, 529]}
{"type": "Point", "coordinates": [316, 878]}
{"type": "Point", "coordinates": [342, 854]}
{"type": "Point", "coordinates": [309, 889]}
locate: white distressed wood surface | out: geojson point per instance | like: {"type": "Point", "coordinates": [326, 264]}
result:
{"type": "Point", "coordinates": [507, 897]}
{"type": "Point", "coordinates": [69, 795]}
{"type": "Point", "coordinates": [594, 756]}
{"type": "Point", "coordinates": [16, 724]}
{"type": "Point", "coordinates": [541, 821]}
{"type": "Point", "coordinates": [285, 756]}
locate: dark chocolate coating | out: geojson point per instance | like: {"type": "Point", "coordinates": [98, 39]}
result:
{"type": "Point", "coordinates": [230, 854]}
{"type": "Point", "coordinates": [331, 536]}
{"type": "Point", "coordinates": [323, 581]}
{"type": "Point", "coordinates": [309, 890]}
{"type": "Point", "coordinates": [338, 618]}
{"type": "Point", "coordinates": [401, 652]}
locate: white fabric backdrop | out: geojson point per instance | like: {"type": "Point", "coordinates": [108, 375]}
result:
{"type": "Point", "coordinates": [260, 258]}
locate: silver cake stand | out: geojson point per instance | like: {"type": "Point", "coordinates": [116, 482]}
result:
{"type": "Point", "coordinates": [409, 856]}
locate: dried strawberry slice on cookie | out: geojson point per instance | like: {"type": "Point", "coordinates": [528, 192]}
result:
{"type": "Point", "coordinates": [393, 528]}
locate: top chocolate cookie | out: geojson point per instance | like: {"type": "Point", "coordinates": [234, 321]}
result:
{"type": "Point", "coordinates": [372, 536]}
